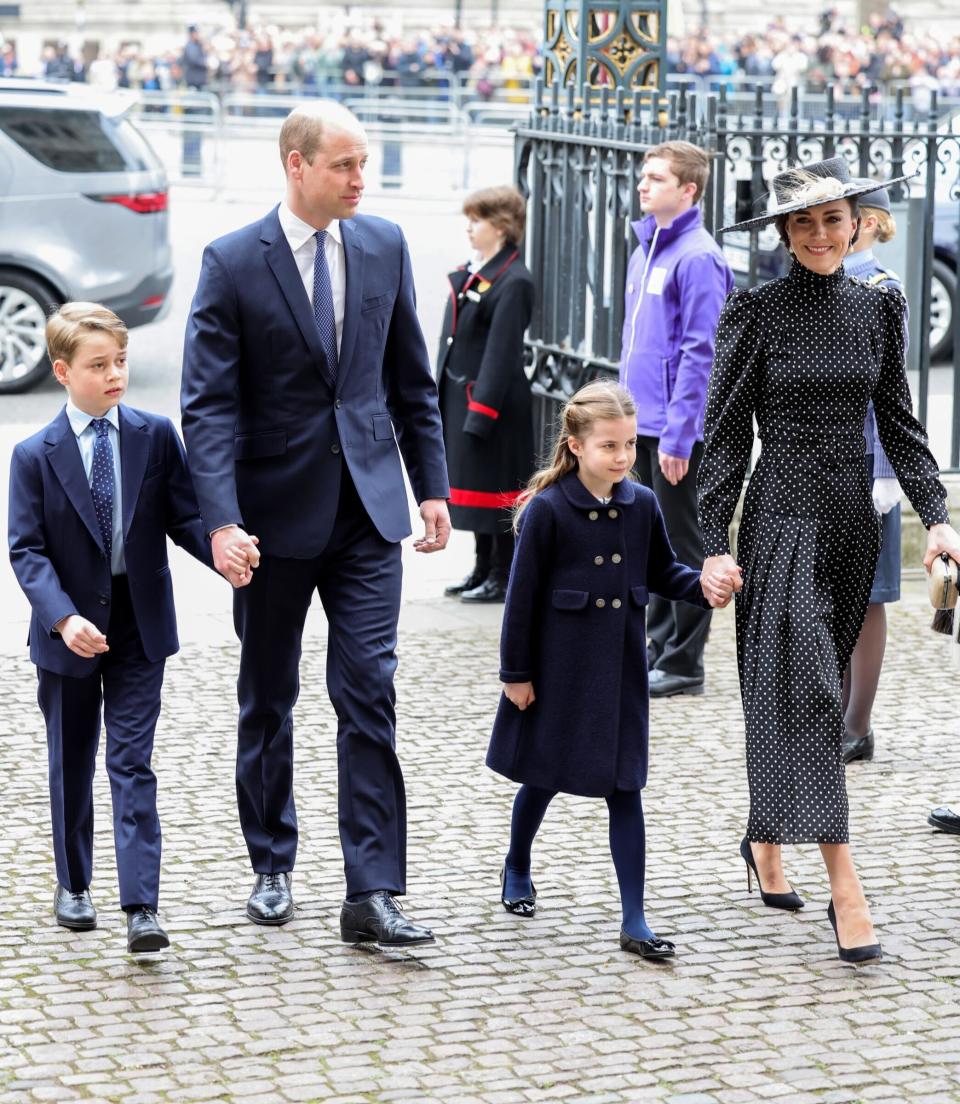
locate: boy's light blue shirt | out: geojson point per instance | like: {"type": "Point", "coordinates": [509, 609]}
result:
{"type": "Point", "coordinates": [82, 426]}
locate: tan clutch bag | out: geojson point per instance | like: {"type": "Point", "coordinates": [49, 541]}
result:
{"type": "Point", "coordinates": [942, 589]}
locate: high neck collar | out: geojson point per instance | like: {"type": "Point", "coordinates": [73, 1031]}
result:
{"type": "Point", "coordinates": [807, 280]}
{"type": "Point", "coordinates": [646, 227]}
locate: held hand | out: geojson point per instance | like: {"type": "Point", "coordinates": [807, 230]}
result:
{"type": "Point", "coordinates": [720, 579]}
{"type": "Point", "coordinates": [941, 538]}
{"type": "Point", "coordinates": [886, 494]}
{"type": "Point", "coordinates": [436, 526]}
{"type": "Point", "coordinates": [235, 554]}
{"type": "Point", "coordinates": [81, 636]}
{"type": "Point", "coordinates": [674, 468]}
{"type": "Point", "coordinates": [520, 693]}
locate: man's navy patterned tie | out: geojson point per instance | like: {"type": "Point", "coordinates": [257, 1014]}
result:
{"type": "Point", "coordinates": [101, 482]}
{"type": "Point", "coordinates": [323, 307]}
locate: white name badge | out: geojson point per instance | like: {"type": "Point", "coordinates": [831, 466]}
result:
{"type": "Point", "coordinates": [473, 296]}
{"type": "Point", "coordinates": [655, 281]}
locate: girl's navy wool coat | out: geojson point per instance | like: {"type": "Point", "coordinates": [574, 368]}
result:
{"type": "Point", "coordinates": [574, 625]}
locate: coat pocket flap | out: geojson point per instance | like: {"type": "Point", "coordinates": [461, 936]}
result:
{"type": "Point", "coordinates": [570, 599]}
{"type": "Point", "coordinates": [251, 446]}
{"type": "Point", "coordinates": [382, 427]}
{"type": "Point", "coordinates": [640, 595]}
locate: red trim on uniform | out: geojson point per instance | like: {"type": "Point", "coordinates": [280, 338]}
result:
{"type": "Point", "coordinates": [485, 500]}
{"type": "Point", "coordinates": [478, 407]}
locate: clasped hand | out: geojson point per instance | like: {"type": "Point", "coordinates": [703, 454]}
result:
{"type": "Point", "coordinates": [720, 579]}
{"type": "Point", "coordinates": [235, 554]}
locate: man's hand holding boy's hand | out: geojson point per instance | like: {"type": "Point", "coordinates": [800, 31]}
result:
{"type": "Point", "coordinates": [235, 554]}
{"type": "Point", "coordinates": [520, 693]}
{"type": "Point", "coordinates": [81, 636]}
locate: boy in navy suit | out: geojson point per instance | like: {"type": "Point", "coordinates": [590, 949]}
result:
{"type": "Point", "coordinates": [92, 499]}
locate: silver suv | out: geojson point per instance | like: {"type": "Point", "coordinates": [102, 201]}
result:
{"type": "Point", "coordinates": [83, 215]}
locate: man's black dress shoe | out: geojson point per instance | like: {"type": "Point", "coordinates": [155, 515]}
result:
{"type": "Point", "coordinates": [491, 589]}
{"type": "Point", "coordinates": [379, 919]}
{"type": "Point", "coordinates": [647, 948]}
{"type": "Point", "coordinates": [663, 685]}
{"type": "Point", "coordinates": [858, 747]}
{"type": "Point", "coordinates": [271, 901]}
{"type": "Point", "coordinates": [474, 579]}
{"type": "Point", "coordinates": [144, 932]}
{"type": "Point", "coordinates": [74, 910]}
{"type": "Point", "coordinates": [946, 820]}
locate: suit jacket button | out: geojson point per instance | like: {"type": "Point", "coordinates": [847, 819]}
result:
{"type": "Point", "coordinates": [598, 560]}
{"type": "Point", "coordinates": [593, 515]}
{"type": "Point", "coordinates": [616, 557]}
{"type": "Point", "coordinates": [335, 449]}
{"type": "Point", "coordinates": [613, 513]}
{"type": "Point", "coordinates": [601, 602]}
{"type": "Point", "coordinates": [338, 403]}
{"type": "Point", "coordinates": [104, 600]}
{"type": "Point", "coordinates": [616, 603]}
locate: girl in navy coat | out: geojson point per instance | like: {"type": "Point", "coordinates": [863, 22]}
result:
{"type": "Point", "coordinates": [573, 717]}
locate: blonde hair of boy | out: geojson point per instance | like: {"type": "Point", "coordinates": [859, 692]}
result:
{"type": "Point", "coordinates": [599, 401]}
{"type": "Point", "coordinates": [886, 223]}
{"type": "Point", "coordinates": [71, 323]}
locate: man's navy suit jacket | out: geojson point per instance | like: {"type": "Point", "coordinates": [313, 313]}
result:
{"type": "Point", "coordinates": [57, 550]}
{"type": "Point", "coordinates": [266, 431]}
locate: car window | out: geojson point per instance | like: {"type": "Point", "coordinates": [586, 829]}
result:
{"type": "Point", "coordinates": [74, 141]}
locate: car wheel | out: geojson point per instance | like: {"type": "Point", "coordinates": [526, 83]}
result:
{"type": "Point", "coordinates": [943, 290]}
{"type": "Point", "coordinates": [24, 303]}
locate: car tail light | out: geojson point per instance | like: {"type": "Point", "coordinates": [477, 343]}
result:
{"type": "Point", "coordinates": [152, 301]}
{"type": "Point", "coordinates": [143, 203]}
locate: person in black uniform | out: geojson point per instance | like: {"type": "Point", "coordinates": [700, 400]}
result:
{"type": "Point", "coordinates": [484, 392]}
{"type": "Point", "coordinates": [804, 354]}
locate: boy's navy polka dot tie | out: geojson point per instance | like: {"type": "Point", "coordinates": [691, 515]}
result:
{"type": "Point", "coordinates": [323, 306]}
{"type": "Point", "coordinates": [101, 482]}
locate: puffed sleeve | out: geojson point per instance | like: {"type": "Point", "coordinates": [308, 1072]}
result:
{"type": "Point", "coordinates": [728, 422]}
{"type": "Point", "coordinates": [903, 438]}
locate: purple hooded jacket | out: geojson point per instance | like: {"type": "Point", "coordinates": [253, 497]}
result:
{"type": "Point", "coordinates": [677, 281]}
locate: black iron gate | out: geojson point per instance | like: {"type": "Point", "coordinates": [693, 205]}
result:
{"type": "Point", "coordinates": [578, 161]}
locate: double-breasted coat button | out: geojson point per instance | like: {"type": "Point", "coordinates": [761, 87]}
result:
{"type": "Point", "coordinates": [616, 603]}
{"type": "Point", "coordinates": [601, 602]}
{"type": "Point", "coordinates": [449, 340]}
{"type": "Point", "coordinates": [613, 513]}
{"type": "Point", "coordinates": [598, 560]}
{"type": "Point", "coordinates": [593, 515]}
{"type": "Point", "coordinates": [616, 557]}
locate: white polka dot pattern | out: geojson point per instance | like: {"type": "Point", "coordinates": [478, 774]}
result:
{"type": "Point", "coordinates": [101, 482]}
{"type": "Point", "coordinates": [804, 355]}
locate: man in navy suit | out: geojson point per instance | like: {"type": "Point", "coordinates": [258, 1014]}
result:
{"type": "Point", "coordinates": [92, 499]}
{"type": "Point", "coordinates": [305, 378]}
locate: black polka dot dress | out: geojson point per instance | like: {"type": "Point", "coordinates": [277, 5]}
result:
{"type": "Point", "coordinates": [803, 355]}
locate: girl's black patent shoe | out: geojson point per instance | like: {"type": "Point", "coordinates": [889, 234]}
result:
{"type": "Point", "coordinates": [522, 906]}
{"type": "Point", "coordinates": [789, 902]}
{"type": "Point", "coordinates": [869, 952]}
{"type": "Point", "coordinates": [647, 948]}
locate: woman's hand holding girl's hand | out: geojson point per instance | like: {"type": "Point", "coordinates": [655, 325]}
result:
{"type": "Point", "coordinates": [520, 693]}
{"type": "Point", "coordinates": [941, 538]}
{"type": "Point", "coordinates": [720, 579]}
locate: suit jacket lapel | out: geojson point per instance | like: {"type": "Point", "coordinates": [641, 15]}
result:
{"type": "Point", "coordinates": [353, 255]}
{"type": "Point", "coordinates": [63, 452]}
{"type": "Point", "coordinates": [281, 261]}
{"type": "Point", "coordinates": [134, 453]}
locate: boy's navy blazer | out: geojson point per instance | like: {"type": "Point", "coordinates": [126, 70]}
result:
{"type": "Point", "coordinates": [55, 544]}
{"type": "Point", "coordinates": [265, 428]}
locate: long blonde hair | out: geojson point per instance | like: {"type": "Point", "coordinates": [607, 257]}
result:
{"type": "Point", "coordinates": [601, 400]}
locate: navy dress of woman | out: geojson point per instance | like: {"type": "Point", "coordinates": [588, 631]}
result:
{"type": "Point", "coordinates": [804, 355]}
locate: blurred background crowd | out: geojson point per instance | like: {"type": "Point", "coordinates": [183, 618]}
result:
{"type": "Point", "coordinates": [829, 52]}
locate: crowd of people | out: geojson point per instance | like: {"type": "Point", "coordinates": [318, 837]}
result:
{"type": "Point", "coordinates": [832, 52]}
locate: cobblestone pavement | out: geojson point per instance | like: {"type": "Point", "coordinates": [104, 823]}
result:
{"type": "Point", "coordinates": [755, 1007]}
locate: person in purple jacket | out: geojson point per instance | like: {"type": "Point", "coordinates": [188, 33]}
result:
{"type": "Point", "coordinates": [677, 281]}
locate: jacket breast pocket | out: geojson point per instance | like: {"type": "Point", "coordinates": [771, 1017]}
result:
{"type": "Point", "coordinates": [570, 599]}
{"type": "Point", "coordinates": [382, 427]}
{"type": "Point", "coordinates": [639, 595]}
{"type": "Point", "coordinates": [374, 302]}
{"type": "Point", "coordinates": [254, 446]}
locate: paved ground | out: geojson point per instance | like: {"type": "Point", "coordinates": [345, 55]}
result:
{"type": "Point", "coordinates": [756, 1006]}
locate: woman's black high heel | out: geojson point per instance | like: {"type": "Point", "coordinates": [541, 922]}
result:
{"type": "Point", "coordinates": [789, 902]}
{"type": "Point", "coordinates": [522, 906]}
{"type": "Point", "coordinates": [869, 952]}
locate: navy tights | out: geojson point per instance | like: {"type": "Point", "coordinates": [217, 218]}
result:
{"type": "Point", "coordinates": [627, 846]}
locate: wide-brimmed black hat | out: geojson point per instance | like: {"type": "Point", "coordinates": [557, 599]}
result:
{"type": "Point", "coordinates": [809, 186]}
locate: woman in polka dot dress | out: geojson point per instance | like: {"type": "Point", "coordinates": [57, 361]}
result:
{"type": "Point", "coordinates": [803, 355]}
